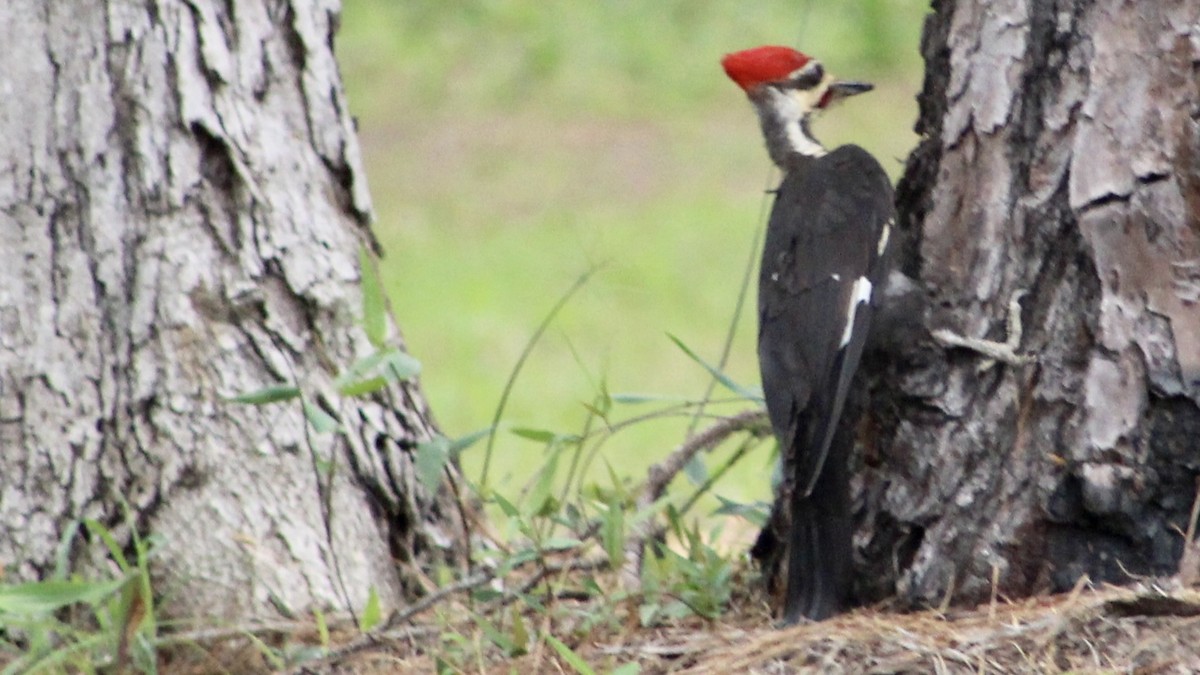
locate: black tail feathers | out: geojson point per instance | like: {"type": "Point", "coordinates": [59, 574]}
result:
{"type": "Point", "coordinates": [819, 550]}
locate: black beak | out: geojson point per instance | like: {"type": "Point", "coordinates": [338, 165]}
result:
{"type": "Point", "coordinates": [844, 89]}
{"type": "Point", "coordinates": [839, 90]}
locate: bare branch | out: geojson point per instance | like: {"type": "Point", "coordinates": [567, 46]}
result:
{"type": "Point", "coordinates": [1004, 352]}
{"type": "Point", "coordinates": [661, 474]}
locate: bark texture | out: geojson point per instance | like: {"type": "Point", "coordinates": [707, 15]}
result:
{"type": "Point", "coordinates": [1060, 155]}
{"type": "Point", "coordinates": [182, 204]}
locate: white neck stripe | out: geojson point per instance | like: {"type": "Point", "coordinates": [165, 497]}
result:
{"type": "Point", "coordinates": [801, 142]}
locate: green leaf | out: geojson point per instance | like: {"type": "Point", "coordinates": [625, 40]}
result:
{"type": "Point", "coordinates": [432, 456]}
{"type": "Point", "coordinates": [62, 557]}
{"type": "Point", "coordinates": [506, 506]}
{"type": "Point", "coordinates": [321, 421]}
{"type": "Point", "coordinates": [45, 597]}
{"type": "Point", "coordinates": [401, 366]}
{"type": "Point", "coordinates": [270, 654]}
{"type": "Point", "coordinates": [365, 365]}
{"type": "Point", "coordinates": [541, 500]}
{"type": "Point", "coordinates": [648, 613]}
{"type": "Point", "coordinates": [296, 654]}
{"type": "Point", "coordinates": [499, 639]}
{"type": "Point", "coordinates": [696, 471]}
{"type": "Point", "coordinates": [516, 560]}
{"type": "Point", "coordinates": [390, 365]}
{"type": "Point", "coordinates": [569, 655]}
{"type": "Point", "coordinates": [597, 411]}
{"type": "Point", "coordinates": [371, 614]}
{"type": "Point", "coordinates": [721, 377]}
{"type": "Point", "coordinates": [591, 586]}
{"type": "Point", "coordinates": [272, 394]}
{"type": "Point", "coordinates": [674, 523]}
{"type": "Point", "coordinates": [618, 490]}
{"type": "Point", "coordinates": [485, 594]}
{"type": "Point", "coordinates": [322, 628]}
{"type": "Point", "coordinates": [369, 385]}
{"type": "Point", "coordinates": [631, 668]}
{"type": "Point", "coordinates": [520, 636]}
{"type": "Point", "coordinates": [324, 466]}
{"type": "Point", "coordinates": [604, 400]}
{"type": "Point", "coordinates": [633, 398]}
{"type": "Point", "coordinates": [756, 512]}
{"type": "Point", "coordinates": [533, 601]}
{"type": "Point", "coordinates": [612, 534]}
{"type": "Point", "coordinates": [539, 435]}
{"type": "Point", "coordinates": [571, 518]}
{"type": "Point", "coordinates": [642, 514]}
{"type": "Point", "coordinates": [561, 543]}
{"type": "Point", "coordinates": [373, 299]}
{"type": "Point", "coordinates": [101, 532]}
{"type": "Point", "coordinates": [458, 445]}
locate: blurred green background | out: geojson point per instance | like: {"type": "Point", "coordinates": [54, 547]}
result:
{"type": "Point", "coordinates": [511, 145]}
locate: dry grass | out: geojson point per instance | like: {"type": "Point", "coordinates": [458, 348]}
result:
{"type": "Point", "coordinates": [1112, 630]}
{"type": "Point", "coordinates": [1119, 630]}
{"type": "Point", "coordinates": [1151, 628]}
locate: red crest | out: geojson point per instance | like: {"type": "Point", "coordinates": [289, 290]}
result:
{"type": "Point", "coordinates": [752, 67]}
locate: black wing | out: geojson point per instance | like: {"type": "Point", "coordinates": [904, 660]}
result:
{"type": "Point", "coordinates": [821, 260]}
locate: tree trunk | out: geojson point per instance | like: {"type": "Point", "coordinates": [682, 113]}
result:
{"type": "Point", "coordinates": [1060, 155]}
{"type": "Point", "coordinates": [183, 204]}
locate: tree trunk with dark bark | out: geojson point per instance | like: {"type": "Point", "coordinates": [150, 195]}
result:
{"type": "Point", "coordinates": [183, 204]}
{"type": "Point", "coordinates": [1060, 155]}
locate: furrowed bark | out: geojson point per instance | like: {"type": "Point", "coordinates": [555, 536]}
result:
{"type": "Point", "coordinates": [1060, 155]}
{"type": "Point", "coordinates": [183, 204]}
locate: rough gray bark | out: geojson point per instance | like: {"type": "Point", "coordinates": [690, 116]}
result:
{"type": "Point", "coordinates": [1061, 155]}
{"type": "Point", "coordinates": [182, 204]}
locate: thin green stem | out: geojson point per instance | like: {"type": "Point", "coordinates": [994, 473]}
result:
{"type": "Point", "coordinates": [747, 445]}
{"type": "Point", "coordinates": [743, 291]}
{"type": "Point", "coordinates": [512, 377]}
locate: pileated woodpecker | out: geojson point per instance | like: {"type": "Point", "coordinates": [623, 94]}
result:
{"type": "Point", "coordinates": [823, 259]}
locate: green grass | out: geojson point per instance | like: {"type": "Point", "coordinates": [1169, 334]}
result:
{"type": "Point", "coordinates": [511, 146]}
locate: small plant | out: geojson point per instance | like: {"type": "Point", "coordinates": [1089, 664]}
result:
{"type": "Point", "coordinates": [563, 536]}
{"type": "Point", "coordinates": [568, 552]}
{"type": "Point", "coordinates": [67, 622]}
{"type": "Point", "coordinates": [382, 367]}
{"type": "Point", "coordinates": [694, 582]}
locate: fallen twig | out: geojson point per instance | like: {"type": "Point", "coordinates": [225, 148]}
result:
{"type": "Point", "coordinates": [390, 630]}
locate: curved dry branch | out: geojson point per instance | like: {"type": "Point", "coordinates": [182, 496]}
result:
{"type": "Point", "coordinates": [661, 474]}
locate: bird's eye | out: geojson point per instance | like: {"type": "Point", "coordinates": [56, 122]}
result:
{"type": "Point", "coordinates": [808, 77]}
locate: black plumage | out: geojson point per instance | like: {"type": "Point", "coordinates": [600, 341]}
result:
{"type": "Point", "coordinates": [826, 239]}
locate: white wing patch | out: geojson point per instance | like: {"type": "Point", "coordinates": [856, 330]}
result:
{"type": "Point", "coordinates": [883, 236]}
{"type": "Point", "coordinates": [860, 294]}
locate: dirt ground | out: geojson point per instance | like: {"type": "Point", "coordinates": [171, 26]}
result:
{"type": "Point", "coordinates": [1143, 630]}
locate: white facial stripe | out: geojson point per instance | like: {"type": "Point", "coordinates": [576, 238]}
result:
{"type": "Point", "coordinates": [803, 102]}
{"type": "Point", "coordinates": [860, 294]}
{"type": "Point", "coordinates": [809, 99]}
